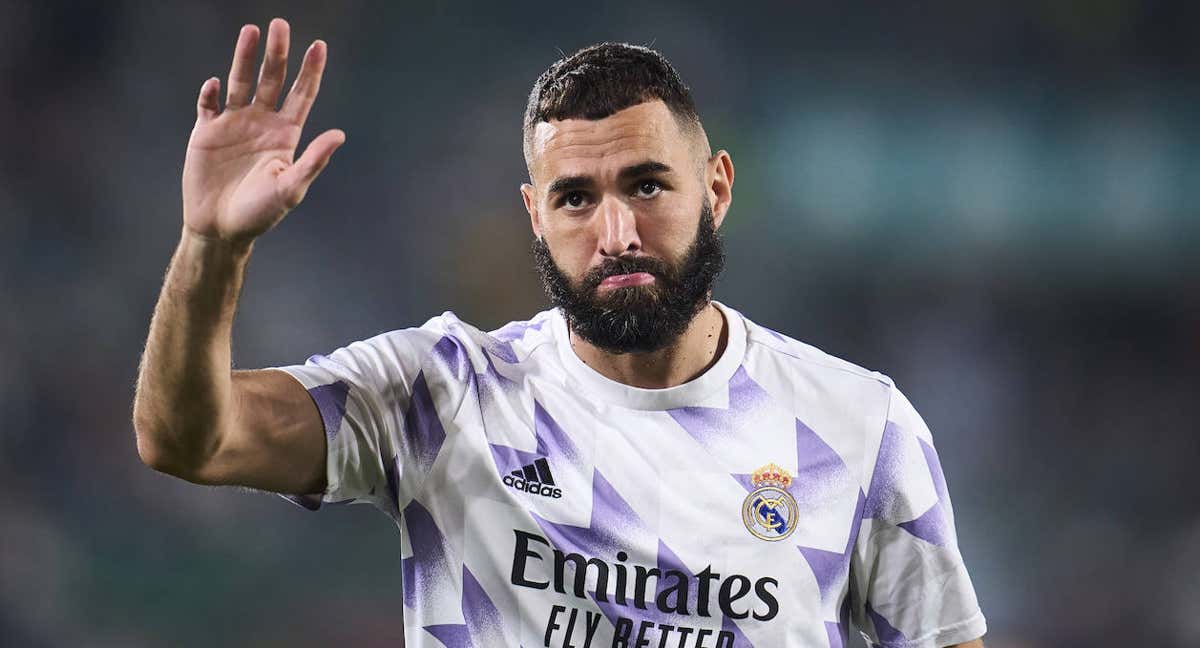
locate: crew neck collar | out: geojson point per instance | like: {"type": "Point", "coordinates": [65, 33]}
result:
{"type": "Point", "coordinates": [690, 393]}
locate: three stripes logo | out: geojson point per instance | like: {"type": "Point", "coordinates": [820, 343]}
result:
{"type": "Point", "coordinates": [534, 478]}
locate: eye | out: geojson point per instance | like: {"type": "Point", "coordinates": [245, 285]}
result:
{"type": "Point", "coordinates": [648, 188]}
{"type": "Point", "coordinates": [573, 200]}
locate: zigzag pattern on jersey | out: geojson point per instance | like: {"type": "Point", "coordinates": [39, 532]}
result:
{"type": "Point", "coordinates": [428, 576]}
{"type": "Point", "coordinates": [820, 471]}
{"type": "Point", "coordinates": [552, 444]}
{"type": "Point", "coordinates": [885, 501]}
{"type": "Point", "coordinates": [487, 388]}
{"type": "Point", "coordinates": [614, 526]}
{"type": "Point", "coordinates": [423, 431]}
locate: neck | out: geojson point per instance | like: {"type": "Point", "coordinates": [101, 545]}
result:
{"type": "Point", "coordinates": [697, 349]}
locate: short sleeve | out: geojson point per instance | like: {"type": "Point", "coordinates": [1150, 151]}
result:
{"type": "Point", "coordinates": [364, 393]}
{"type": "Point", "coordinates": [909, 584]}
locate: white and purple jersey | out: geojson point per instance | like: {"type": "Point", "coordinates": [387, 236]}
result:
{"type": "Point", "coordinates": [776, 500]}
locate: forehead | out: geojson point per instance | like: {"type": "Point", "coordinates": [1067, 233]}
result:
{"type": "Point", "coordinates": [646, 131]}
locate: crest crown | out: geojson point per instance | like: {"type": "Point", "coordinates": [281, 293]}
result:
{"type": "Point", "coordinates": [771, 475]}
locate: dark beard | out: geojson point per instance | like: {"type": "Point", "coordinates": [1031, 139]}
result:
{"type": "Point", "coordinates": [637, 319]}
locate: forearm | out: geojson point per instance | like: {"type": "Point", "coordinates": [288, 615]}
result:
{"type": "Point", "coordinates": [184, 389]}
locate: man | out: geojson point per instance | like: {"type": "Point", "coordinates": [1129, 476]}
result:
{"type": "Point", "coordinates": [639, 466]}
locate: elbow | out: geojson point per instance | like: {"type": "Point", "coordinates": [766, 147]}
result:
{"type": "Point", "coordinates": [159, 449]}
{"type": "Point", "coordinates": [150, 448]}
{"type": "Point", "coordinates": [151, 454]}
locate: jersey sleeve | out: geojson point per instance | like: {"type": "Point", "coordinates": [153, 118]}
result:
{"type": "Point", "coordinates": [909, 584]}
{"type": "Point", "coordinates": [375, 406]}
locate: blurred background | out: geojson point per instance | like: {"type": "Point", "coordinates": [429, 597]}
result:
{"type": "Point", "coordinates": [998, 207]}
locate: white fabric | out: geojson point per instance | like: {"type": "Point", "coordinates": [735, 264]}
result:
{"type": "Point", "coordinates": [436, 426]}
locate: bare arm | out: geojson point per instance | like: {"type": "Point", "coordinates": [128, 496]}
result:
{"type": "Point", "coordinates": [196, 419]}
{"type": "Point", "coordinates": [193, 416]}
{"type": "Point", "coordinates": [978, 643]}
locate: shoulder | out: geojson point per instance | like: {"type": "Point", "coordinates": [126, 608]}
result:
{"type": "Point", "coordinates": [442, 355]}
{"type": "Point", "coordinates": [769, 347]}
{"type": "Point", "coordinates": [447, 344]}
{"type": "Point", "coordinates": [830, 394]}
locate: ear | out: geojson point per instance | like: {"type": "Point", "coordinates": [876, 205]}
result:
{"type": "Point", "coordinates": [719, 176]}
{"type": "Point", "coordinates": [529, 195]}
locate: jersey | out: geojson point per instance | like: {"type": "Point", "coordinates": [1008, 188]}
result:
{"type": "Point", "coordinates": [778, 499]}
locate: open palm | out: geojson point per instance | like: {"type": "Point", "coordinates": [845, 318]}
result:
{"type": "Point", "coordinates": [240, 176]}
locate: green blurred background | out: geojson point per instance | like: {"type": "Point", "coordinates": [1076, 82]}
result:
{"type": "Point", "coordinates": [997, 206]}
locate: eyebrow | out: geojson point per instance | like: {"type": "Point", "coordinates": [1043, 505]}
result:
{"type": "Point", "coordinates": [572, 183]}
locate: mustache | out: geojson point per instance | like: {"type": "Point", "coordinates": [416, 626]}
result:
{"type": "Point", "coordinates": [624, 265]}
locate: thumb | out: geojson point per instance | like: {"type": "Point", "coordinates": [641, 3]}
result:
{"type": "Point", "coordinates": [295, 180]}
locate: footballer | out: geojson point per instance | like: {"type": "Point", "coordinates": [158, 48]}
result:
{"type": "Point", "coordinates": [640, 465]}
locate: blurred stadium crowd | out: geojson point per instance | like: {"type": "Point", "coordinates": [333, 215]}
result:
{"type": "Point", "coordinates": [998, 207]}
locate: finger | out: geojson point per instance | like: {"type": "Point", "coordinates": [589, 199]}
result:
{"type": "Point", "coordinates": [304, 90]}
{"type": "Point", "coordinates": [274, 65]}
{"type": "Point", "coordinates": [241, 73]}
{"type": "Point", "coordinates": [295, 180]}
{"type": "Point", "coordinates": [208, 104]}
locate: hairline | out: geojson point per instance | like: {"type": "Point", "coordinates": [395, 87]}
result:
{"type": "Point", "coordinates": [690, 127]}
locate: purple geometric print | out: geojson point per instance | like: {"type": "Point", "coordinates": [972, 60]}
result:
{"type": "Point", "coordinates": [615, 527]}
{"type": "Point", "coordinates": [820, 477]}
{"type": "Point", "coordinates": [707, 424]}
{"type": "Point", "coordinates": [428, 569]}
{"type": "Point", "coordinates": [331, 403]}
{"type": "Point", "coordinates": [933, 525]}
{"type": "Point", "coordinates": [935, 469]}
{"type": "Point", "coordinates": [422, 425]}
{"type": "Point", "coordinates": [883, 496]}
{"type": "Point", "coordinates": [451, 353]}
{"type": "Point", "coordinates": [839, 633]}
{"type": "Point", "coordinates": [930, 526]}
{"type": "Point", "coordinates": [552, 443]}
{"type": "Point", "coordinates": [739, 639]}
{"type": "Point", "coordinates": [667, 560]}
{"type": "Point", "coordinates": [830, 568]}
{"type": "Point", "coordinates": [834, 632]}
{"type": "Point", "coordinates": [452, 635]}
{"type": "Point", "coordinates": [517, 330]}
{"type": "Point", "coordinates": [827, 567]}
{"type": "Point", "coordinates": [885, 500]}
{"type": "Point", "coordinates": [501, 341]}
{"type": "Point", "coordinates": [482, 625]}
{"type": "Point", "coordinates": [888, 635]}
{"type": "Point", "coordinates": [820, 472]}
{"type": "Point", "coordinates": [482, 617]}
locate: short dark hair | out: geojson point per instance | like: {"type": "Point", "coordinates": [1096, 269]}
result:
{"type": "Point", "coordinates": [601, 79]}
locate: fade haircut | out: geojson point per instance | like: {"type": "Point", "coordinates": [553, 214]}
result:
{"type": "Point", "coordinates": [600, 80]}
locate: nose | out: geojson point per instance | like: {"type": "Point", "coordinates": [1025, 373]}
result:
{"type": "Point", "coordinates": [618, 228]}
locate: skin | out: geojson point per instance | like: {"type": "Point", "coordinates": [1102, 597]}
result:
{"type": "Point", "coordinates": [194, 418]}
{"type": "Point", "coordinates": [198, 420]}
{"type": "Point", "coordinates": [590, 201]}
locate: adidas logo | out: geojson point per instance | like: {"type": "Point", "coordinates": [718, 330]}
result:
{"type": "Point", "coordinates": [534, 478]}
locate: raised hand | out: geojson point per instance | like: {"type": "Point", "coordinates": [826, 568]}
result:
{"type": "Point", "coordinates": [240, 176]}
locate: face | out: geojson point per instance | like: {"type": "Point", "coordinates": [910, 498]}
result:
{"type": "Point", "coordinates": [626, 209]}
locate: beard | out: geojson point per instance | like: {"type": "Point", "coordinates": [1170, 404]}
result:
{"type": "Point", "coordinates": [637, 319]}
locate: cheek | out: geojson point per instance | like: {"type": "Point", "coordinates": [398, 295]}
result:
{"type": "Point", "coordinates": [668, 229]}
{"type": "Point", "coordinates": [572, 249]}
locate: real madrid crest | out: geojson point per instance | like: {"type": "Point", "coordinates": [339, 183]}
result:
{"type": "Point", "coordinates": [769, 511]}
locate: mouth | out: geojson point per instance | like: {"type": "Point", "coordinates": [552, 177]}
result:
{"type": "Point", "coordinates": [626, 280]}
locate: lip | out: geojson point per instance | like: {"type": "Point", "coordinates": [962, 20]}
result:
{"type": "Point", "coordinates": [627, 280]}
